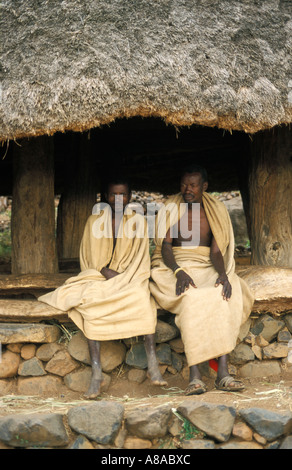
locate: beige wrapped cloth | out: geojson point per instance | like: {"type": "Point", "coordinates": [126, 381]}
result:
{"type": "Point", "coordinates": [209, 325]}
{"type": "Point", "coordinates": [120, 307]}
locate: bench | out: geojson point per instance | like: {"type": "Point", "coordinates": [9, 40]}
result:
{"type": "Point", "coordinates": [271, 286]}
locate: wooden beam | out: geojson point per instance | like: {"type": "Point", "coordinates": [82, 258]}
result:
{"type": "Point", "coordinates": [34, 284]}
{"type": "Point", "coordinates": [33, 211]}
{"type": "Point", "coordinates": [270, 183]}
{"type": "Point", "coordinates": [78, 197]}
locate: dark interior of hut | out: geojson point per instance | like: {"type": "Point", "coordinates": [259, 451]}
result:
{"type": "Point", "coordinates": [147, 149]}
{"type": "Point", "coordinates": [151, 152]}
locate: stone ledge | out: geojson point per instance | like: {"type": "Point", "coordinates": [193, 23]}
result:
{"type": "Point", "coordinates": [28, 333]}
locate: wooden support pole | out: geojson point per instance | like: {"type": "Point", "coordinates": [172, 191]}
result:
{"type": "Point", "coordinates": [33, 211]}
{"type": "Point", "coordinates": [270, 183]}
{"type": "Point", "coordinates": [78, 197]}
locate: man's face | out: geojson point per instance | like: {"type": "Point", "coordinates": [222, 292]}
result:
{"type": "Point", "coordinates": [192, 187]}
{"type": "Point", "coordinates": [118, 196]}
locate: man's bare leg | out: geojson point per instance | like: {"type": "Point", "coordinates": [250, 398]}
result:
{"type": "Point", "coordinates": [153, 369]}
{"type": "Point", "coordinates": [96, 371]}
{"type": "Point", "coordinates": [196, 386]}
{"type": "Point", "coordinates": [228, 383]}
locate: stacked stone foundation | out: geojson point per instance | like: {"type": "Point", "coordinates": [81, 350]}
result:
{"type": "Point", "coordinates": [39, 358]}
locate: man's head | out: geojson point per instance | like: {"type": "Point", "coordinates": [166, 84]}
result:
{"type": "Point", "coordinates": [194, 181]}
{"type": "Point", "coordinates": [118, 192]}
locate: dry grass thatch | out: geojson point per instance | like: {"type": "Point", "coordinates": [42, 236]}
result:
{"type": "Point", "coordinates": [77, 65]}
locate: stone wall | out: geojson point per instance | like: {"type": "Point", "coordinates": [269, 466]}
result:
{"type": "Point", "coordinates": [192, 425]}
{"type": "Point", "coordinates": [39, 357]}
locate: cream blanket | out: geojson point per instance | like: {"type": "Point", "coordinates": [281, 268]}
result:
{"type": "Point", "coordinates": [120, 307]}
{"type": "Point", "coordinates": [209, 325]}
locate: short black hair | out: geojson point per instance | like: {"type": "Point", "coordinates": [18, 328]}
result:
{"type": "Point", "coordinates": [116, 177]}
{"type": "Point", "coordinates": [195, 168]}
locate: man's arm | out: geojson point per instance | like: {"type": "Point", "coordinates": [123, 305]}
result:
{"type": "Point", "coordinates": [218, 263]}
{"type": "Point", "coordinates": [183, 279]}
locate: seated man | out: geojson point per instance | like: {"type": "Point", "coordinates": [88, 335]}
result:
{"type": "Point", "coordinates": [110, 298]}
{"type": "Point", "coordinates": [186, 273]}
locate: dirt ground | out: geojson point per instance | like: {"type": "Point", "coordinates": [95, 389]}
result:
{"type": "Point", "coordinates": [271, 393]}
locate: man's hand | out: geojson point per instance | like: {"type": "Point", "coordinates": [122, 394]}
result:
{"type": "Point", "coordinates": [227, 289]}
{"type": "Point", "coordinates": [108, 273]}
{"type": "Point", "coordinates": [184, 281]}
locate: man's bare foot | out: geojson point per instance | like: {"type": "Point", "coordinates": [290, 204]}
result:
{"type": "Point", "coordinates": [94, 387]}
{"type": "Point", "coordinates": [229, 384]}
{"type": "Point", "coordinates": [155, 376]}
{"type": "Point", "coordinates": [196, 387]}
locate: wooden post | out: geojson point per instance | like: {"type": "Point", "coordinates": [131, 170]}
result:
{"type": "Point", "coordinates": [78, 197]}
{"type": "Point", "coordinates": [33, 210]}
{"type": "Point", "coordinates": [270, 183]}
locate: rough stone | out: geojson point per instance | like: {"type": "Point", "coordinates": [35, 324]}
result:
{"type": "Point", "coordinates": [81, 443]}
{"type": "Point", "coordinates": [241, 354]}
{"type": "Point", "coordinates": [46, 351]}
{"type": "Point", "coordinates": [175, 426]}
{"type": "Point", "coordinates": [260, 439]}
{"type": "Point", "coordinates": [242, 431]}
{"type": "Point", "coordinates": [61, 364]}
{"type": "Point", "coordinates": [112, 354]}
{"type": "Point", "coordinates": [9, 364]}
{"type": "Point", "coordinates": [268, 424]}
{"type": "Point", "coordinates": [32, 367]}
{"type": "Point", "coordinates": [28, 351]}
{"type": "Point", "coordinates": [78, 348]}
{"type": "Point", "coordinates": [137, 443]}
{"type": "Point", "coordinates": [136, 356]}
{"type": "Point", "coordinates": [241, 445]}
{"type": "Point", "coordinates": [79, 380]}
{"type": "Point", "coordinates": [287, 443]}
{"type": "Point", "coordinates": [150, 422]}
{"type": "Point", "coordinates": [120, 438]}
{"type": "Point", "coordinates": [99, 421]}
{"type": "Point", "coordinates": [257, 350]}
{"type": "Point", "coordinates": [197, 444]}
{"type": "Point", "coordinates": [268, 327]}
{"type": "Point", "coordinates": [28, 333]}
{"type": "Point", "coordinates": [177, 361]}
{"type": "Point", "coordinates": [6, 387]}
{"type": "Point", "coordinates": [35, 430]}
{"type": "Point", "coordinates": [137, 375]}
{"type": "Point", "coordinates": [288, 321]}
{"type": "Point", "coordinates": [216, 421]}
{"type": "Point", "coordinates": [261, 342]}
{"type": "Point", "coordinates": [272, 445]}
{"type": "Point", "coordinates": [40, 386]}
{"type": "Point", "coordinates": [165, 332]}
{"type": "Point", "coordinates": [275, 350]}
{"type": "Point", "coordinates": [163, 353]}
{"type": "Point", "coordinates": [260, 369]}
{"type": "Point", "coordinates": [250, 339]}
{"type": "Point", "coordinates": [14, 347]}
{"type": "Point", "coordinates": [177, 345]}
{"type": "Point", "coordinates": [284, 336]}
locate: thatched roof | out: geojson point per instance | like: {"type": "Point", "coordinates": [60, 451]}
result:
{"type": "Point", "coordinates": [75, 65]}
